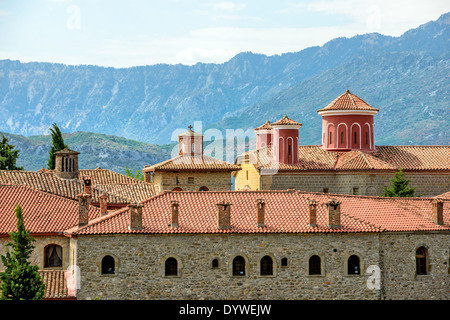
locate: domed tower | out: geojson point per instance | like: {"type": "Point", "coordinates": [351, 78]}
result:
{"type": "Point", "coordinates": [190, 143]}
{"type": "Point", "coordinates": [285, 140]}
{"type": "Point", "coordinates": [347, 124]}
{"type": "Point", "coordinates": [264, 135]}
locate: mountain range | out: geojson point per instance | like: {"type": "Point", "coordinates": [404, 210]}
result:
{"type": "Point", "coordinates": [406, 77]}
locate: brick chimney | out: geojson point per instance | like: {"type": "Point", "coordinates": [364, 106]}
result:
{"type": "Point", "coordinates": [103, 205]}
{"type": "Point", "coordinates": [312, 205]}
{"type": "Point", "coordinates": [438, 211]}
{"type": "Point", "coordinates": [260, 210]}
{"type": "Point", "coordinates": [334, 214]}
{"type": "Point", "coordinates": [135, 217]}
{"type": "Point", "coordinates": [87, 185]}
{"type": "Point", "coordinates": [84, 200]}
{"type": "Point", "coordinates": [174, 204]}
{"type": "Point", "coordinates": [224, 216]}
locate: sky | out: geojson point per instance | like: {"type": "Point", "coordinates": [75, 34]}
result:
{"type": "Point", "coordinates": [130, 33]}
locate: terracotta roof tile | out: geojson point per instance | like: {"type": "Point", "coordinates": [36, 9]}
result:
{"type": "Point", "coordinates": [43, 212]}
{"type": "Point", "coordinates": [286, 121]}
{"type": "Point", "coordinates": [265, 126]}
{"type": "Point", "coordinates": [56, 284]}
{"type": "Point", "coordinates": [188, 162]}
{"type": "Point", "coordinates": [132, 192]}
{"type": "Point", "coordinates": [348, 101]}
{"type": "Point", "coordinates": [285, 211]}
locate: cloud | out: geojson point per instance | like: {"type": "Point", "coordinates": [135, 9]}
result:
{"type": "Point", "coordinates": [226, 6]}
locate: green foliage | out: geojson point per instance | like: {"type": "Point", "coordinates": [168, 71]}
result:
{"type": "Point", "coordinates": [20, 280]}
{"type": "Point", "coordinates": [399, 187]}
{"type": "Point", "coordinates": [8, 156]}
{"type": "Point", "coordinates": [139, 175]}
{"type": "Point", "coordinates": [57, 145]}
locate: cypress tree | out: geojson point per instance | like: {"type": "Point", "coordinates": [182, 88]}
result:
{"type": "Point", "coordinates": [399, 186]}
{"type": "Point", "coordinates": [57, 145]}
{"type": "Point", "coordinates": [8, 156]}
{"type": "Point", "coordinates": [20, 280]}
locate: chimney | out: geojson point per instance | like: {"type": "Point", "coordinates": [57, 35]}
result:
{"type": "Point", "coordinates": [174, 204]}
{"type": "Point", "coordinates": [135, 222]}
{"type": "Point", "coordinates": [438, 211]}
{"type": "Point", "coordinates": [66, 164]}
{"type": "Point", "coordinates": [84, 200]}
{"type": "Point", "coordinates": [312, 213]}
{"type": "Point", "coordinates": [260, 210]}
{"type": "Point", "coordinates": [223, 217]}
{"type": "Point", "coordinates": [334, 214]}
{"type": "Point", "coordinates": [87, 185]}
{"type": "Point", "coordinates": [103, 205]}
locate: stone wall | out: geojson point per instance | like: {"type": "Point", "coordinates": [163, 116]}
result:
{"type": "Point", "coordinates": [193, 181]}
{"type": "Point", "coordinates": [367, 184]}
{"type": "Point", "coordinates": [37, 257]}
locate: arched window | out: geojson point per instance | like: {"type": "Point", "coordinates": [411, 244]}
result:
{"type": "Point", "coordinates": [53, 256]}
{"type": "Point", "coordinates": [353, 266]}
{"type": "Point", "coordinates": [177, 189]}
{"type": "Point", "coordinates": [238, 266]}
{"type": "Point", "coordinates": [203, 189]}
{"type": "Point", "coordinates": [314, 265]}
{"type": "Point", "coordinates": [421, 260]}
{"type": "Point", "coordinates": [215, 264]}
{"type": "Point", "coordinates": [108, 265]}
{"type": "Point", "coordinates": [171, 267]}
{"type": "Point", "coordinates": [266, 266]}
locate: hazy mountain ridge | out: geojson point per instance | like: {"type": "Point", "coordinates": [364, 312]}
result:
{"type": "Point", "coordinates": [147, 103]}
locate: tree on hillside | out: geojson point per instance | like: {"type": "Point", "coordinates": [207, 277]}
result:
{"type": "Point", "coordinates": [139, 175]}
{"type": "Point", "coordinates": [57, 145]}
{"type": "Point", "coordinates": [8, 156]}
{"type": "Point", "coordinates": [20, 280]}
{"type": "Point", "coordinates": [399, 186]}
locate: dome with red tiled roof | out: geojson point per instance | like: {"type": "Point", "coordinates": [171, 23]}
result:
{"type": "Point", "coordinates": [348, 101]}
{"type": "Point", "coordinates": [285, 121]}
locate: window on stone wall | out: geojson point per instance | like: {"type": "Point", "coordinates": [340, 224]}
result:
{"type": "Point", "coordinates": [284, 262]}
{"type": "Point", "coordinates": [108, 265]}
{"type": "Point", "coordinates": [238, 266]}
{"type": "Point", "coordinates": [53, 256]}
{"type": "Point", "coordinates": [421, 261]}
{"type": "Point", "coordinates": [171, 267]}
{"type": "Point", "coordinates": [215, 264]}
{"type": "Point", "coordinates": [266, 266]}
{"type": "Point", "coordinates": [353, 266]}
{"type": "Point", "coordinates": [191, 180]}
{"type": "Point", "coordinates": [355, 191]}
{"type": "Point", "coordinates": [325, 190]}
{"type": "Point", "coordinates": [314, 265]}
{"type": "Point", "coordinates": [203, 189]}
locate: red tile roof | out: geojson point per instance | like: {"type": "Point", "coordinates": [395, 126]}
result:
{"type": "Point", "coordinates": [132, 192]}
{"type": "Point", "coordinates": [265, 126]}
{"type": "Point", "coordinates": [196, 162]}
{"type": "Point", "coordinates": [348, 101]}
{"type": "Point", "coordinates": [285, 211]}
{"type": "Point", "coordinates": [43, 212]}
{"type": "Point", "coordinates": [56, 284]}
{"type": "Point", "coordinates": [314, 158]}
{"type": "Point", "coordinates": [286, 122]}
{"type": "Point", "coordinates": [445, 196]}
{"type": "Point", "coordinates": [101, 176]}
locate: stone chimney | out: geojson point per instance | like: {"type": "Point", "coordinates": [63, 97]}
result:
{"type": "Point", "coordinates": [103, 205]}
{"type": "Point", "coordinates": [174, 204]}
{"type": "Point", "coordinates": [66, 164]}
{"type": "Point", "coordinates": [260, 210]}
{"type": "Point", "coordinates": [334, 214]}
{"type": "Point", "coordinates": [84, 200]}
{"type": "Point", "coordinates": [224, 215]}
{"type": "Point", "coordinates": [87, 185]}
{"type": "Point", "coordinates": [438, 211]}
{"type": "Point", "coordinates": [312, 205]}
{"type": "Point", "coordinates": [135, 217]}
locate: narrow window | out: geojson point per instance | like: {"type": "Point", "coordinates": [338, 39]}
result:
{"type": "Point", "coordinates": [284, 262]}
{"type": "Point", "coordinates": [289, 150]}
{"type": "Point", "coordinates": [355, 191]}
{"type": "Point", "coordinates": [353, 265]}
{"type": "Point", "coordinates": [354, 134]}
{"type": "Point", "coordinates": [421, 261]}
{"type": "Point", "coordinates": [108, 265]}
{"type": "Point", "coordinates": [53, 256]}
{"type": "Point", "coordinates": [314, 265]}
{"type": "Point", "coordinates": [266, 266]}
{"type": "Point", "coordinates": [215, 264]}
{"type": "Point", "coordinates": [367, 138]}
{"type": "Point", "coordinates": [331, 137]}
{"type": "Point", "coordinates": [62, 164]}
{"type": "Point", "coordinates": [342, 137]}
{"type": "Point", "coordinates": [238, 266]}
{"type": "Point", "coordinates": [171, 267]}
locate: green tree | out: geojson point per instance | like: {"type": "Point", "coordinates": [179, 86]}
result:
{"type": "Point", "coordinates": [8, 156]}
{"type": "Point", "coordinates": [57, 145]}
{"type": "Point", "coordinates": [139, 175]}
{"type": "Point", "coordinates": [399, 186]}
{"type": "Point", "coordinates": [20, 280]}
